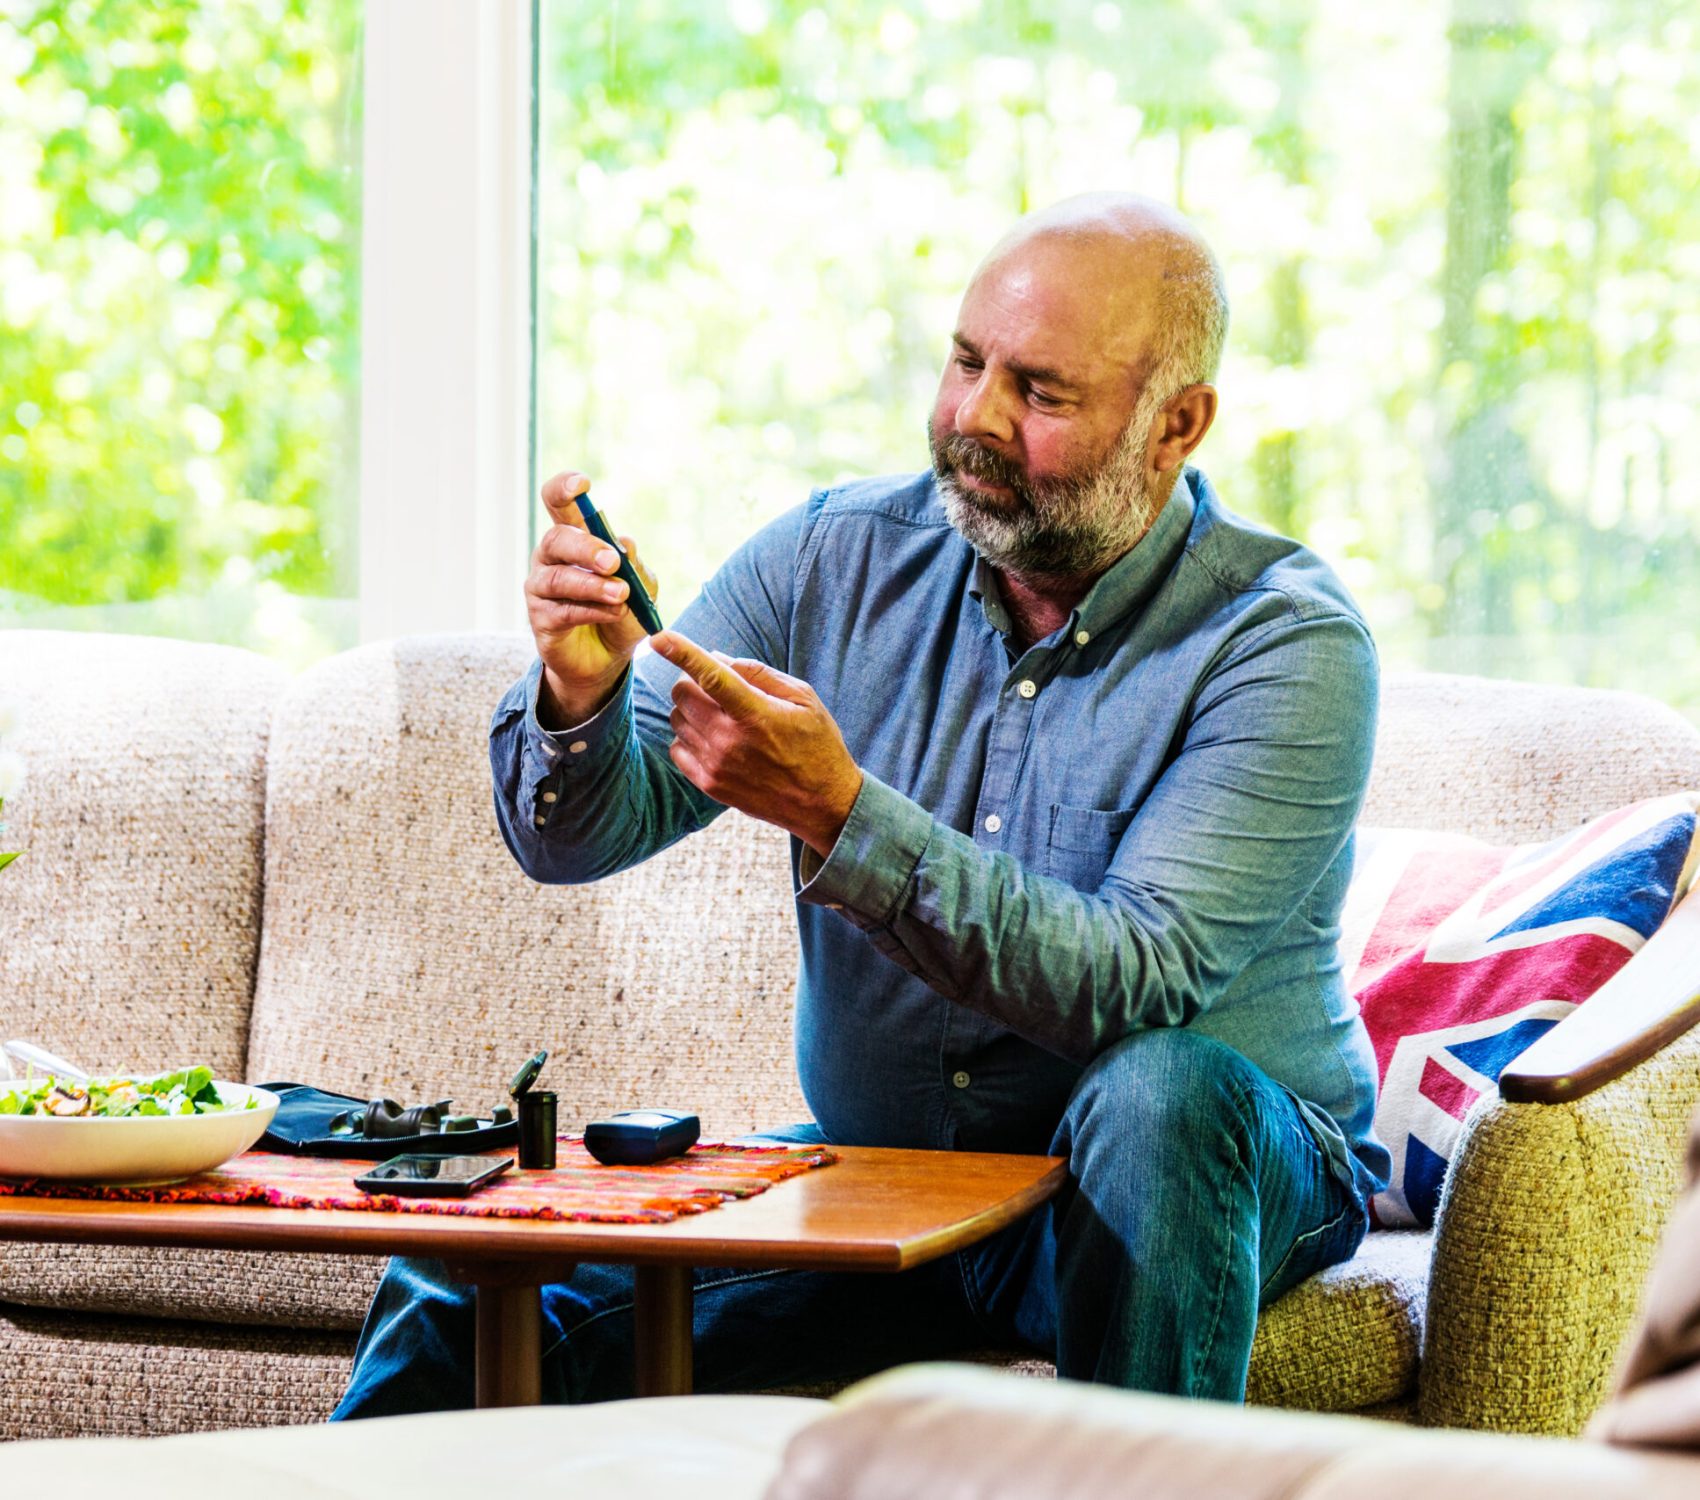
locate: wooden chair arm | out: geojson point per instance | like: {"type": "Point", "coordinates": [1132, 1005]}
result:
{"type": "Point", "coordinates": [1647, 1004]}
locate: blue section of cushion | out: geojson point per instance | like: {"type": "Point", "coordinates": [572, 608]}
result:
{"type": "Point", "coordinates": [1488, 1055]}
{"type": "Point", "coordinates": [1425, 1170]}
{"type": "Point", "coordinates": [1633, 884]}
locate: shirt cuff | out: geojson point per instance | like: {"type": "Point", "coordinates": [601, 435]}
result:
{"type": "Point", "coordinates": [871, 867]}
{"type": "Point", "coordinates": [570, 750]}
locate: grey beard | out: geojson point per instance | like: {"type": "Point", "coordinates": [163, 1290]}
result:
{"type": "Point", "coordinates": [1062, 527]}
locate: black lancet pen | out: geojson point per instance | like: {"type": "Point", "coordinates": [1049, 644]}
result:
{"type": "Point", "coordinates": [642, 606]}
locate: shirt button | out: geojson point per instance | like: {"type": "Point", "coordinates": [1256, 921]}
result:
{"type": "Point", "coordinates": [578, 747]}
{"type": "Point", "coordinates": [548, 796]}
{"type": "Point", "coordinates": [993, 823]}
{"type": "Point", "coordinates": [540, 820]}
{"type": "Point", "coordinates": [1081, 637]}
{"type": "Point", "coordinates": [1027, 687]}
{"type": "Point", "coordinates": [960, 1080]}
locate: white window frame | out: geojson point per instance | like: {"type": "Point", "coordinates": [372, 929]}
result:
{"type": "Point", "coordinates": [446, 316]}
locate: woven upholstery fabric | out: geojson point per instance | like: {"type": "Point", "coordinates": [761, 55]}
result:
{"type": "Point", "coordinates": [1547, 1229]}
{"type": "Point", "coordinates": [1350, 1337]}
{"type": "Point", "coordinates": [83, 1377]}
{"type": "Point", "coordinates": [405, 953]}
{"type": "Point", "coordinates": [132, 922]}
{"type": "Point", "coordinates": [1513, 761]}
{"type": "Point", "coordinates": [228, 1287]}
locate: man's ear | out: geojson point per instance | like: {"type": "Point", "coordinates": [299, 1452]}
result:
{"type": "Point", "coordinates": [1181, 427]}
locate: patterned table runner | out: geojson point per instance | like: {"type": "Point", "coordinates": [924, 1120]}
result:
{"type": "Point", "coordinates": [577, 1188]}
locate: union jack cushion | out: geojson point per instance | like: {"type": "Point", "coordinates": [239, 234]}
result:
{"type": "Point", "coordinates": [1461, 953]}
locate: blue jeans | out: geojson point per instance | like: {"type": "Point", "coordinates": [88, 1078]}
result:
{"type": "Point", "coordinates": [1197, 1195]}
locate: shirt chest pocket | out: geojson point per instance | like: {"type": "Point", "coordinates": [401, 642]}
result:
{"type": "Point", "coordinates": [1083, 841]}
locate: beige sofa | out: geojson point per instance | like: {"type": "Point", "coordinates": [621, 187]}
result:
{"type": "Point", "coordinates": [301, 878]}
{"type": "Point", "coordinates": [921, 1433]}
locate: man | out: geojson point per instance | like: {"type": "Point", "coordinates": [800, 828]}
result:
{"type": "Point", "coordinates": [1070, 757]}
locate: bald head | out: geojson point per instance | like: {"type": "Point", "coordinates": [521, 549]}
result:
{"type": "Point", "coordinates": [1162, 302]}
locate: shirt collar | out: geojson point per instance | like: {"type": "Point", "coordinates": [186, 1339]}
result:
{"type": "Point", "coordinates": [1132, 579]}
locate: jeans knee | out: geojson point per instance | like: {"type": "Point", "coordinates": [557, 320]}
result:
{"type": "Point", "coordinates": [1159, 1086]}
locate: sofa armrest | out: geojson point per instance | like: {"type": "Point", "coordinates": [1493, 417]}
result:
{"type": "Point", "coordinates": [952, 1432]}
{"type": "Point", "coordinates": [1546, 1230]}
{"type": "Point", "coordinates": [1647, 1004]}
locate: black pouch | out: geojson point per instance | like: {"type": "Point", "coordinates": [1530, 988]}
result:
{"type": "Point", "coordinates": [302, 1127]}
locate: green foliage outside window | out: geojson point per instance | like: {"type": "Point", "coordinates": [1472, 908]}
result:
{"type": "Point", "coordinates": [179, 220]}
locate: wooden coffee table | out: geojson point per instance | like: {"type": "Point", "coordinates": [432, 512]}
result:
{"type": "Point", "coordinates": [874, 1210]}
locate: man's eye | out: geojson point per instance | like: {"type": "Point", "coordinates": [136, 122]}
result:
{"type": "Point", "coordinates": [1040, 398]}
{"type": "Point", "coordinates": [967, 365]}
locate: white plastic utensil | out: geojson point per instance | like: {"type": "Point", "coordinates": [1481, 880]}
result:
{"type": "Point", "coordinates": [24, 1056]}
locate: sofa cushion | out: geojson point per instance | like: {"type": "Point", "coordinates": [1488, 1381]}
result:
{"type": "Point", "coordinates": [1462, 953]}
{"type": "Point", "coordinates": [1349, 1337]}
{"type": "Point", "coordinates": [68, 1375]}
{"type": "Point", "coordinates": [658, 1448]}
{"type": "Point", "coordinates": [230, 1287]}
{"type": "Point", "coordinates": [930, 1432]}
{"type": "Point", "coordinates": [133, 922]}
{"type": "Point", "coordinates": [1513, 761]}
{"type": "Point", "coordinates": [406, 955]}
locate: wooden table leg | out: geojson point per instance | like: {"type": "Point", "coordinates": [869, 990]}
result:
{"type": "Point", "coordinates": [509, 1357]}
{"type": "Point", "coordinates": [508, 1326]}
{"type": "Point", "coordinates": [661, 1315]}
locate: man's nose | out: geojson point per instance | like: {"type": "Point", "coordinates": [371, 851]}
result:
{"type": "Point", "coordinates": [985, 411]}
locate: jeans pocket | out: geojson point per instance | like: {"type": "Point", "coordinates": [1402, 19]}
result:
{"type": "Point", "coordinates": [1331, 1242]}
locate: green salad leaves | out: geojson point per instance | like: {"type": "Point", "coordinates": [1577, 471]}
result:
{"type": "Point", "coordinates": [187, 1091]}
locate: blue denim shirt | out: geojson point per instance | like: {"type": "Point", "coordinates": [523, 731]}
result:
{"type": "Point", "coordinates": [1143, 820]}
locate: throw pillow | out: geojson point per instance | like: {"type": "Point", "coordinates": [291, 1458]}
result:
{"type": "Point", "coordinates": [1461, 953]}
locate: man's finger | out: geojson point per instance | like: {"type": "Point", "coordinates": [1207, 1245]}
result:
{"type": "Point", "coordinates": [685, 759]}
{"type": "Point", "coordinates": [771, 680]}
{"type": "Point", "coordinates": [719, 681]}
{"type": "Point", "coordinates": [649, 581]}
{"type": "Point", "coordinates": [559, 493]}
{"type": "Point", "coordinates": [573, 544]}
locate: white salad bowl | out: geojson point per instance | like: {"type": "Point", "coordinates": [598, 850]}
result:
{"type": "Point", "coordinates": [132, 1150]}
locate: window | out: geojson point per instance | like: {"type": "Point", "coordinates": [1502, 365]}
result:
{"type": "Point", "coordinates": [179, 316]}
{"type": "Point", "coordinates": [1461, 240]}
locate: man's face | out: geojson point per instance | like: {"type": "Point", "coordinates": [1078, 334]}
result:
{"type": "Point", "coordinates": [1041, 427]}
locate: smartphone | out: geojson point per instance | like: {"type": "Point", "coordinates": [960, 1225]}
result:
{"type": "Point", "coordinates": [642, 606]}
{"type": "Point", "coordinates": [414, 1176]}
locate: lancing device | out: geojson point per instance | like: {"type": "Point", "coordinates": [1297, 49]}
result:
{"type": "Point", "coordinates": [642, 606]}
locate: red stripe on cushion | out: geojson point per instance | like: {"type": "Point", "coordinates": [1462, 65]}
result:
{"type": "Point", "coordinates": [1433, 886]}
{"type": "Point", "coordinates": [1446, 1089]}
{"type": "Point", "coordinates": [1416, 996]}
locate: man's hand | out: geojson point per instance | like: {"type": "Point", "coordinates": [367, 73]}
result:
{"type": "Point", "coordinates": [585, 632]}
{"type": "Point", "coordinates": [761, 742]}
